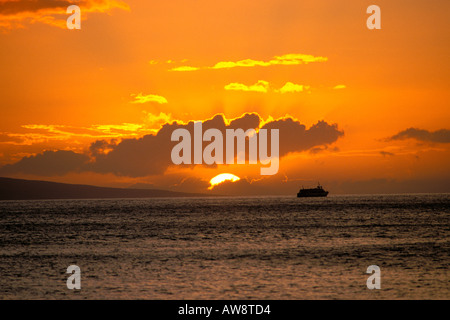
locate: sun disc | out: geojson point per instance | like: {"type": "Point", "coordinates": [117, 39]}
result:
{"type": "Point", "coordinates": [222, 178]}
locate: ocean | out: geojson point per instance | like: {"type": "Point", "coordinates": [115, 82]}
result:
{"type": "Point", "coordinates": [227, 248]}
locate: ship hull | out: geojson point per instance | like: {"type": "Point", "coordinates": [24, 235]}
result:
{"type": "Point", "coordinates": [317, 195]}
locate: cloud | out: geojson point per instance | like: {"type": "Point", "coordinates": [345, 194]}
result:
{"type": "Point", "coordinates": [100, 147]}
{"type": "Point", "coordinates": [118, 129]}
{"type": "Point", "coordinates": [263, 86]}
{"type": "Point", "coordinates": [17, 13]}
{"type": "Point", "coordinates": [340, 87]}
{"type": "Point", "coordinates": [38, 133]}
{"type": "Point", "coordinates": [151, 153]}
{"type": "Point", "coordinates": [439, 136]}
{"type": "Point", "coordinates": [386, 153]}
{"type": "Point", "coordinates": [33, 138]}
{"type": "Point", "coordinates": [160, 119]}
{"type": "Point", "coordinates": [290, 87]}
{"type": "Point", "coordinates": [317, 150]}
{"type": "Point", "coordinates": [260, 86]}
{"type": "Point", "coordinates": [140, 98]}
{"type": "Point", "coordinates": [184, 68]}
{"type": "Point", "coordinates": [48, 163]}
{"type": "Point", "coordinates": [294, 137]}
{"type": "Point", "coordinates": [287, 59]}
{"type": "Point", "coordinates": [50, 133]}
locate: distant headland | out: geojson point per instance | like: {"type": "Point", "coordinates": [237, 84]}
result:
{"type": "Point", "coordinates": [18, 189]}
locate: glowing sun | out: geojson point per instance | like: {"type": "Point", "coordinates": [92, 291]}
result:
{"type": "Point", "coordinates": [222, 178]}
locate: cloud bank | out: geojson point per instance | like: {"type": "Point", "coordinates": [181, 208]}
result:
{"type": "Point", "coordinates": [286, 60]}
{"type": "Point", "coordinates": [151, 153]}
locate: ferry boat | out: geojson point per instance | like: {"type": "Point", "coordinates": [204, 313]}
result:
{"type": "Point", "coordinates": [314, 192]}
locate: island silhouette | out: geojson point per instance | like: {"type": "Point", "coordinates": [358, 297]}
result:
{"type": "Point", "coordinates": [19, 189]}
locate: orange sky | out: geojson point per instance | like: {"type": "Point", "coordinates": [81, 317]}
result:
{"type": "Point", "coordinates": [119, 77]}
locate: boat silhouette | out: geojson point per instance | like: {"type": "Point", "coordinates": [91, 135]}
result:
{"type": "Point", "coordinates": [314, 192]}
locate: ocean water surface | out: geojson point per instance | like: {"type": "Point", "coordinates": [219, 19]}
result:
{"type": "Point", "coordinates": [227, 248]}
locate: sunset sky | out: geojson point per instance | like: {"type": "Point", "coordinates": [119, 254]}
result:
{"type": "Point", "coordinates": [361, 111]}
